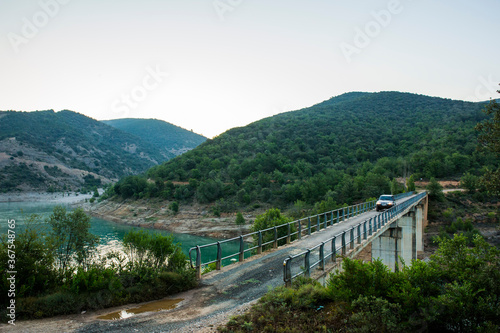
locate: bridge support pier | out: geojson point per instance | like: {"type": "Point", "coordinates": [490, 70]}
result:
{"type": "Point", "coordinates": [401, 242]}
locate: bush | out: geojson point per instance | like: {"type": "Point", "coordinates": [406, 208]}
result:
{"type": "Point", "coordinates": [458, 290]}
{"type": "Point", "coordinates": [174, 207]}
{"type": "Point", "coordinates": [469, 182]}
{"type": "Point", "coordinates": [94, 279]}
{"type": "Point", "coordinates": [240, 220]}
{"type": "Point", "coordinates": [435, 190]}
{"type": "Point", "coordinates": [373, 314]}
{"type": "Point", "coordinates": [448, 214]}
{"type": "Point", "coordinates": [153, 250]}
{"type": "Point", "coordinates": [271, 218]}
{"type": "Point", "coordinates": [35, 260]}
{"type": "Point", "coordinates": [361, 279]}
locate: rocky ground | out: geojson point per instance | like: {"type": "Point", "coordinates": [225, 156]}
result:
{"type": "Point", "coordinates": [195, 219]}
{"type": "Point", "coordinates": [62, 198]}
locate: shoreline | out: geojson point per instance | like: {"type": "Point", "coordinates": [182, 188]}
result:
{"type": "Point", "coordinates": [59, 197]}
{"type": "Point", "coordinates": [192, 220]}
{"type": "Point", "coordinates": [145, 214]}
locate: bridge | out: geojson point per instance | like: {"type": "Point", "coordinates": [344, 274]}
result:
{"type": "Point", "coordinates": [315, 245]}
{"type": "Point", "coordinates": [312, 246]}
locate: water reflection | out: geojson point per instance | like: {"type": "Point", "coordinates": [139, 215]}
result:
{"type": "Point", "coordinates": [167, 304]}
{"type": "Point", "coordinates": [110, 233]}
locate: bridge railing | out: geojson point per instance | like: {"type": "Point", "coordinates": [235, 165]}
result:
{"type": "Point", "coordinates": [317, 256]}
{"type": "Point", "coordinates": [273, 237]}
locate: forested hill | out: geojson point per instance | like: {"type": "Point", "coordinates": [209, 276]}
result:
{"type": "Point", "coordinates": [344, 149]}
{"type": "Point", "coordinates": [67, 150]}
{"type": "Point", "coordinates": [167, 137]}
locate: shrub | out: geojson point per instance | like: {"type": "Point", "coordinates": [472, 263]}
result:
{"type": "Point", "coordinates": [448, 214]}
{"type": "Point", "coordinates": [435, 190]}
{"type": "Point", "coordinates": [361, 279]}
{"type": "Point", "coordinates": [152, 250]}
{"type": "Point", "coordinates": [34, 261]}
{"type": "Point", "coordinates": [271, 218]}
{"type": "Point", "coordinates": [458, 291]}
{"type": "Point", "coordinates": [240, 220]}
{"type": "Point", "coordinates": [174, 207]}
{"type": "Point", "coordinates": [94, 279]}
{"type": "Point", "coordinates": [373, 314]}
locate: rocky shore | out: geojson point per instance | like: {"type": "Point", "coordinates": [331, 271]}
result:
{"type": "Point", "coordinates": [62, 198]}
{"type": "Point", "coordinates": [155, 214]}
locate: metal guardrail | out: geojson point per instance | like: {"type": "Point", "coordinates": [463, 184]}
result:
{"type": "Point", "coordinates": [318, 255]}
{"type": "Point", "coordinates": [290, 231]}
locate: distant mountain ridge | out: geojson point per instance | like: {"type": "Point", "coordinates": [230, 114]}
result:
{"type": "Point", "coordinates": [167, 137]}
{"type": "Point", "coordinates": [47, 150]}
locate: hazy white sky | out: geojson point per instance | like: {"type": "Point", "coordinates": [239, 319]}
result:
{"type": "Point", "coordinates": [210, 65]}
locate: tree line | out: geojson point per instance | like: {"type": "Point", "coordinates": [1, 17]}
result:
{"type": "Point", "coordinates": [346, 149]}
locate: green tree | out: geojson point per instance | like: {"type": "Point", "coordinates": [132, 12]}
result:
{"type": "Point", "coordinates": [489, 139]}
{"type": "Point", "coordinates": [34, 261]}
{"type": "Point", "coordinates": [155, 251]}
{"type": "Point", "coordinates": [469, 182]}
{"type": "Point", "coordinates": [271, 218]}
{"type": "Point", "coordinates": [174, 207]}
{"type": "Point", "coordinates": [435, 190]}
{"type": "Point", "coordinates": [240, 220]}
{"type": "Point", "coordinates": [71, 236]}
{"type": "Point", "coordinates": [209, 190]}
{"type": "Point", "coordinates": [396, 187]}
{"type": "Point", "coordinates": [410, 183]}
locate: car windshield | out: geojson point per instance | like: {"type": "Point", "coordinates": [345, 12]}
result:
{"type": "Point", "coordinates": [386, 197]}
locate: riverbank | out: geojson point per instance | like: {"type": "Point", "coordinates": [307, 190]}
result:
{"type": "Point", "coordinates": [62, 198]}
{"type": "Point", "coordinates": [155, 214]}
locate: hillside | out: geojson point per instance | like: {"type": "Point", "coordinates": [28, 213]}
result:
{"type": "Point", "coordinates": [46, 150]}
{"type": "Point", "coordinates": [342, 150]}
{"type": "Point", "coordinates": [169, 139]}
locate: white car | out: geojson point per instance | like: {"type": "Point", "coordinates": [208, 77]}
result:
{"type": "Point", "coordinates": [385, 201]}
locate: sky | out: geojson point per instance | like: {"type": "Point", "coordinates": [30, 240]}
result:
{"type": "Point", "coordinates": [211, 65]}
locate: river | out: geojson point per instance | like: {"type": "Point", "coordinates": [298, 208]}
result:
{"type": "Point", "coordinates": [110, 233]}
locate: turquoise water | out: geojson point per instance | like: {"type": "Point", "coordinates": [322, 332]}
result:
{"type": "Point", "coordinates": [110, 233]}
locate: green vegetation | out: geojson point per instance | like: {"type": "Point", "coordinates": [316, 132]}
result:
{"type": "Point", "coordinates": [458, 290]}
{"type": "Point", "coordinates": [71, 238]}
{"type": "Point", "coordinates": [75, 141]}
{"type": "Point", "coordinates": [435, 190]}
{"type": "Point", "coordinates": [174, 207]}
{"type": "Point", "coordinates": [59, 272]}
{"type": "Point", "coordinates": [344, 150]}
{"type": "Point", "coordinates": [271, 218]}
{"type": "Point", "coordinates": [13, 175]}
{"type": "Point", "coordinates": [469, 182]}
{"type": "Point", "coordinates": [489, 141]}
{"type": "Point", "coordinates": [165, 136]}
{"type": "Point", "coordinates": [462, 213]}
{"type": "Point", "coordinates": [240, 220]}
